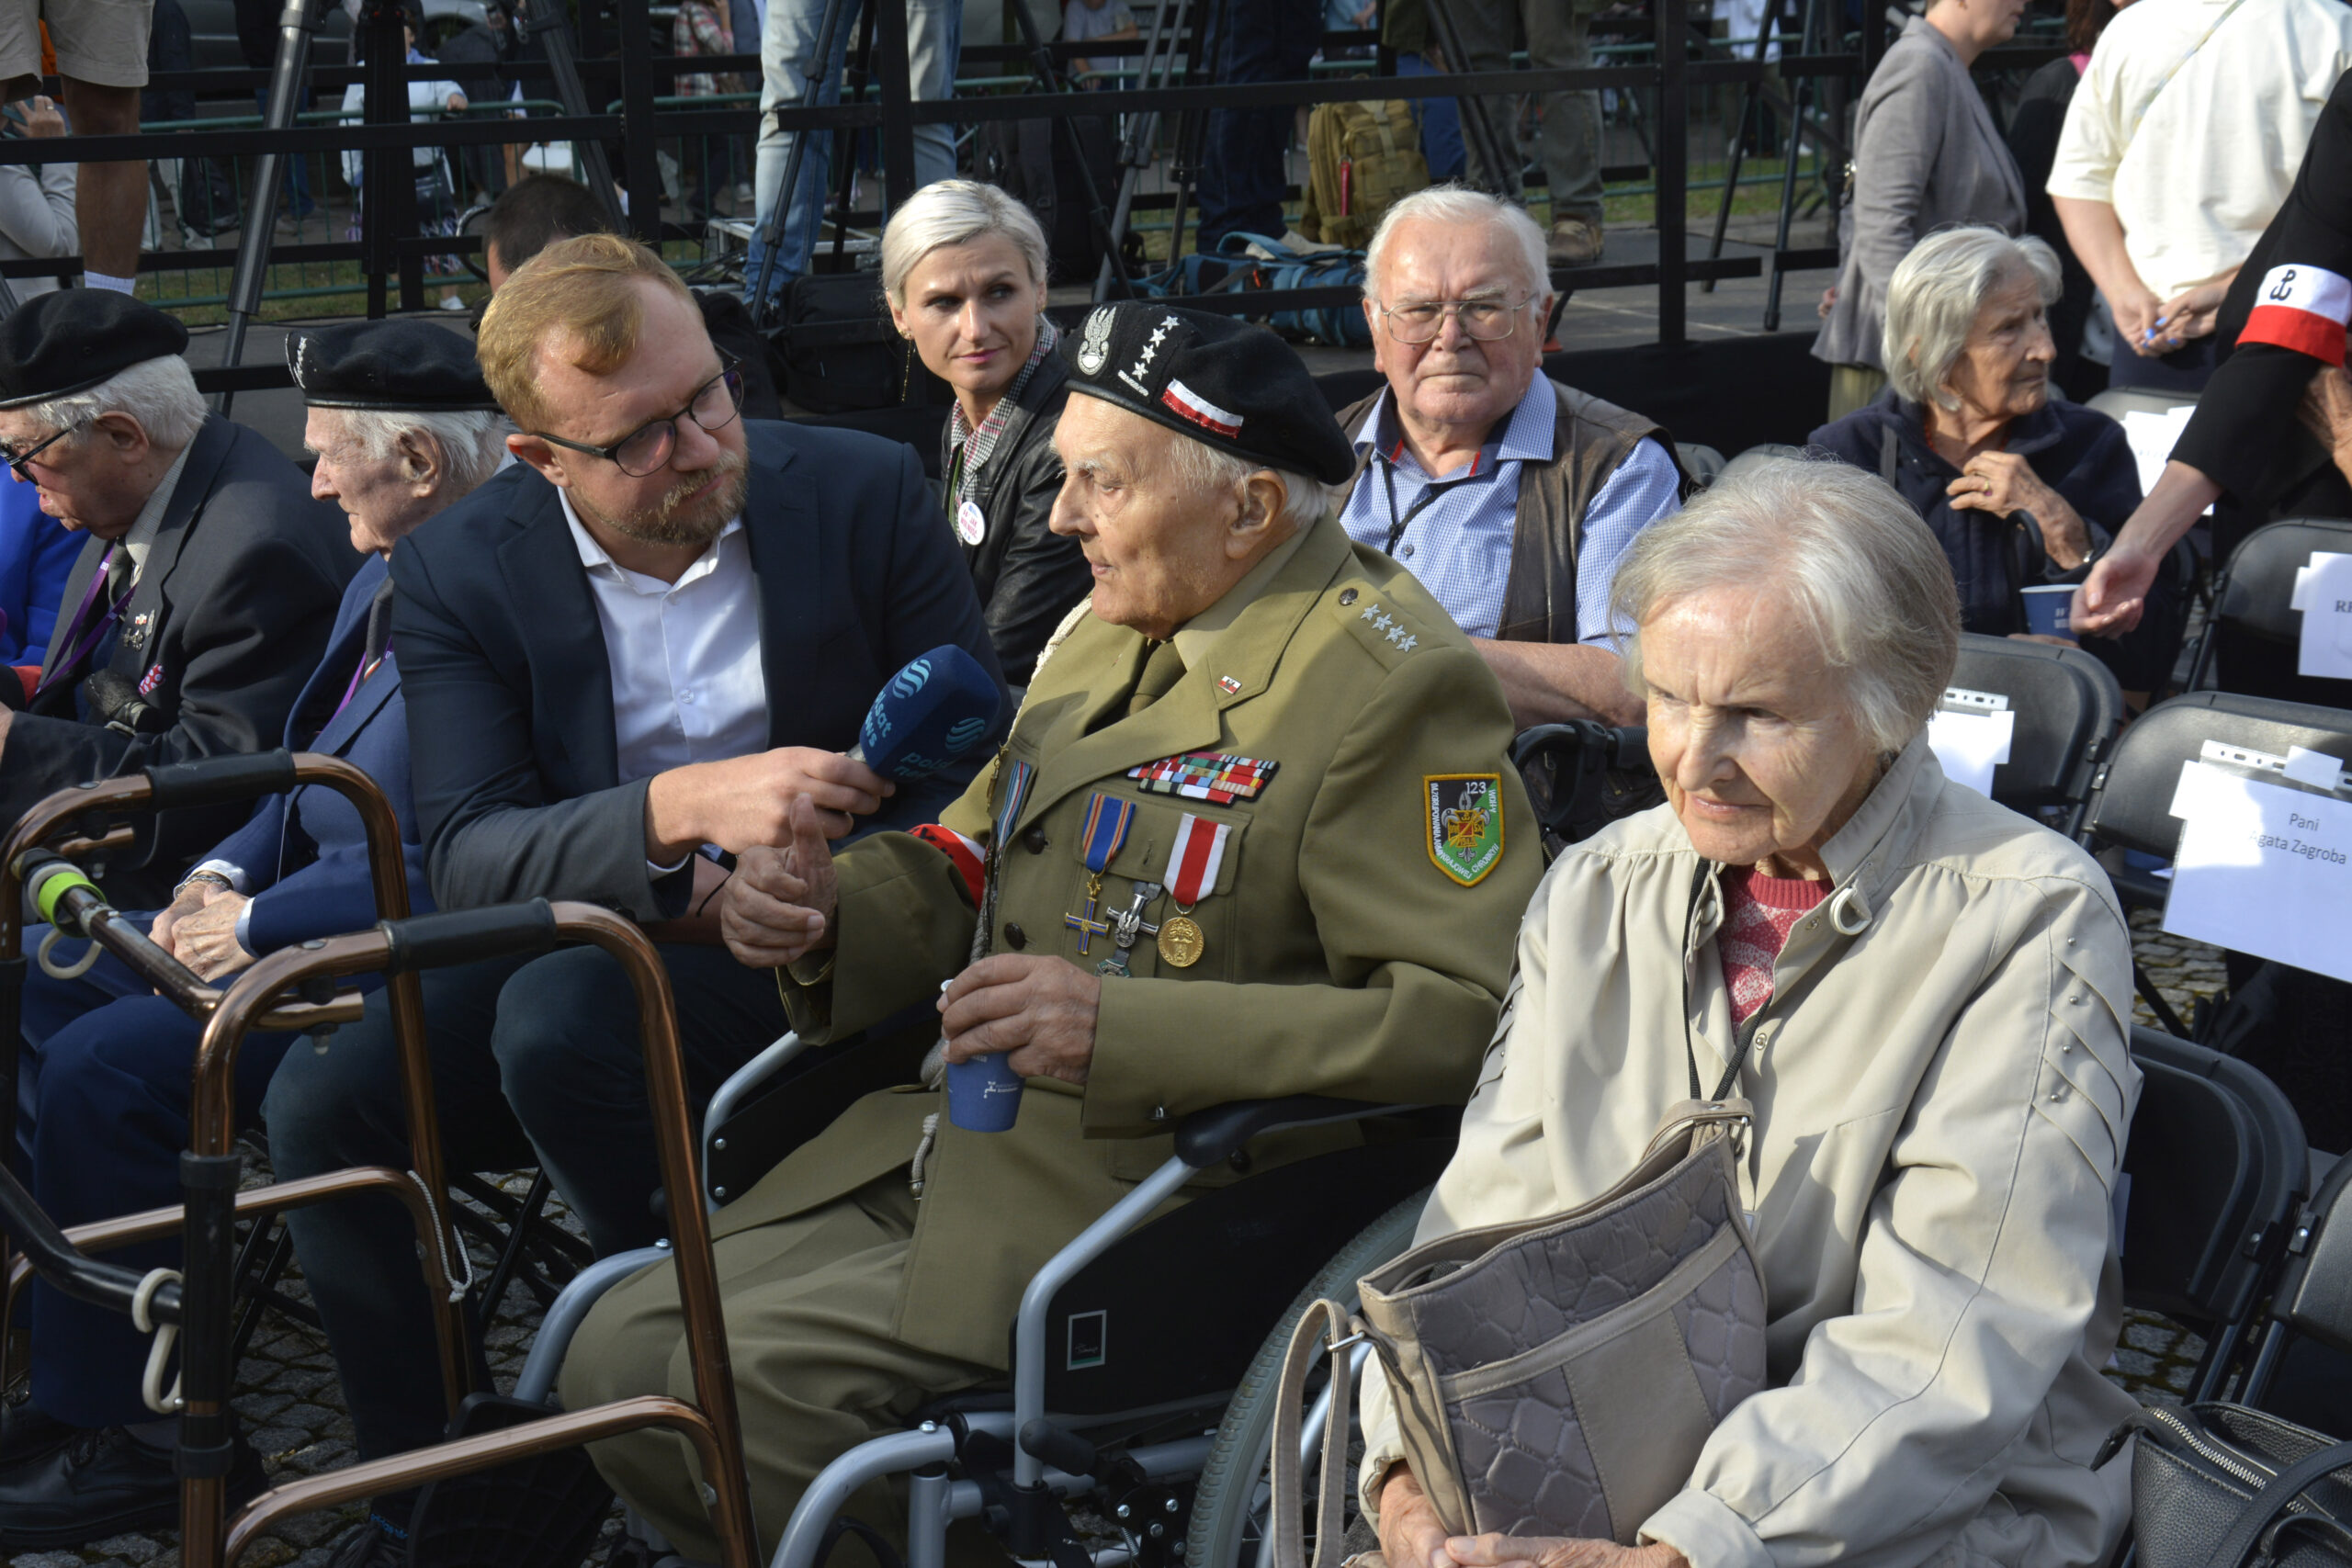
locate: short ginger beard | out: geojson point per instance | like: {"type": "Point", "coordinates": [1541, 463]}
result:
{"type": "Point", "coordinates": [668, 523]}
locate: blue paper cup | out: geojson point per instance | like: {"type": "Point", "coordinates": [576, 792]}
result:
{"type": "Point", "coordinates": [2047, 609]}
{"type": "Point", "coordinates": [983, 1094]}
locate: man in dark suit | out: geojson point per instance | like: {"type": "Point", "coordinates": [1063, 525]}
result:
{"type": "Point", "coordinates": [626, 658]}
{"type": "Point", "coordinates": [204, 596]}
{"type": "Point", "coordinates": [404, 427]}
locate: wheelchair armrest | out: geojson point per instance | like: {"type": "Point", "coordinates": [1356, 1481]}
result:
{"type": "Point", "coordinates": [1217, 1134]}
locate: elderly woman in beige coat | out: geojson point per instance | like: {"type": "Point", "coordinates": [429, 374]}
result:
{"type": "Point", "coordinates": [1929, 997]}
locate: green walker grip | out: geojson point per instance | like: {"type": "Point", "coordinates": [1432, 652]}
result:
{"type": "Point", "coordinates": [54, 884]}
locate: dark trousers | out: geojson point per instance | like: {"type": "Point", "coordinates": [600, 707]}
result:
{"type": "Point", "coordinates": [2185, 369]}
{"type": "Point", "coordinates": [535, 1061]}
{"type": "Point", "coordinates": [102, 1107]}
{"type": "Point", "coordinates": [1243, 175]}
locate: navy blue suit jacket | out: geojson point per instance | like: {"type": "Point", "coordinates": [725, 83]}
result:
{"type": "Point", "coordinates": [304, 853]}
{"type": "Point", "coordinates": [516, 769]}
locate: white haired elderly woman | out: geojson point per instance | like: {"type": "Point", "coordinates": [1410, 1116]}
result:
{"type": "Point", "coordinates": [964, 270]}
{"type": "Point", "coordinates": [1926, 1000]}
{"type": "Point", "coordinates": [2021, 489]}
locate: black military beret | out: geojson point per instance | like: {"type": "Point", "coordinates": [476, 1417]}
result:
{"type": "Point", "coordinates": [386, 365]}
{"type": "Point", "coordinates": [1236, 387]}
{"type": "Point", "coordinates": [70, 340]}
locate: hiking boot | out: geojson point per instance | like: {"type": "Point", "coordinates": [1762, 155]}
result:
{"type": "Point", "coordinates": [1574, 242]}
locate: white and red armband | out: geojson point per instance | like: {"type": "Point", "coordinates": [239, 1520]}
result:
{"type": "Point", "coordinates": [961, 851]}
{"type": "Point", "coordinates": [2302, 308]}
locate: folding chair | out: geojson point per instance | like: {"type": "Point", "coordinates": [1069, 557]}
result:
{"type": "Point", "coordinates": [2217, 1168]}
{"type": "Point", "coordinates": [2067, 707]}
{"type": "Point", "coordinates": [2131, 805]}
{"type": "Point", "coordinates": [2252, 596]}
{"type": "Point", "coordinates": [2313, 1296]}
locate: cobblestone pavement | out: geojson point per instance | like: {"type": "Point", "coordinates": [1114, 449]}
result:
{"type": "Point", "coordinates": [293, 1409]}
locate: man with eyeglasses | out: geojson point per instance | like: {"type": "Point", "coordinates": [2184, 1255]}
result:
{"type": "Point", "coordinates": [1509, 496]}
{"type": "Point", "coordinates": [203, 595]}
{"type": "Point", "coordinates": [626, 658]}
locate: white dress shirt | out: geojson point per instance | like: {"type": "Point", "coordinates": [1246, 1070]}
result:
{"type": "Point", "coordinates": [684, 655]}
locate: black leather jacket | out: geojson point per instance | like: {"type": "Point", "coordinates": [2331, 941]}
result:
{"type": "Point", "coordinates": [1028, 577]}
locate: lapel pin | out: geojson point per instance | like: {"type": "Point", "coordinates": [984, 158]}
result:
{"type": "Point", "coordinates": [1227, 684]}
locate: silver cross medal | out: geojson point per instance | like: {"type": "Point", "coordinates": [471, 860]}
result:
{"type": "Point", "coordinates": [1126, 926]}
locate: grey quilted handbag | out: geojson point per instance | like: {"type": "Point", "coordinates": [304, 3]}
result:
{"type": "Point", "coordinates": [1553, 1377]}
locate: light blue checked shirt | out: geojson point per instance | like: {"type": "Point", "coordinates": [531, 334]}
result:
{"type": "Point", "coordinates": [1458, 543]}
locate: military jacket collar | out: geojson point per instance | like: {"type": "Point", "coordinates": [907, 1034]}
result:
{"type": "Point", "coordinates": [1098, 666]}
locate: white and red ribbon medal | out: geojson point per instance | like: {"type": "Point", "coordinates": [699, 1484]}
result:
{"type": "Point", "coordinates": [2302, 308]}
{"type": "Point", "coordinates": [971, 523]}
{"type": "Point", "coordinates": [1192, 863]}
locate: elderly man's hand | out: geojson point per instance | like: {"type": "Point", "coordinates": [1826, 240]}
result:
{"type": "Point", "coordinates": [779, 905]}
{"type": "Point", "coordinates": [205, 938]}
{"type": "Point", "coordinates": [1040, 1011]}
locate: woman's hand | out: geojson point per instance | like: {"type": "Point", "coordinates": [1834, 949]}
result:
{"type": "Point", "coordinates": [43, 118]}
{"type": "Point", "coordinates": [1828, 301]}
{"type": "Point", "coordinates": [1410, 1536]}
{"type": "Point", "coordinates": [2192, 312]}
{"type": "Point", "coordinates": [2003, 482]}
{"type": "Point", "coordinates": [2139, 323]}
{"type": "Point", "coordinates": [1547, 1552]}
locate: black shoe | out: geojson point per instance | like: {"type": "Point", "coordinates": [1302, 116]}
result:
{"type": "Point", "coordinates": [102, 1483]}
{"type": "Point", "coordinates": [28, 1433]}
{"type": "Point", "coordinates": [366, 1545]}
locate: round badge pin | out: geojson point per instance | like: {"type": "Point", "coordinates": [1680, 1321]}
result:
{"type": "Point", "coordinates": [971, 523]}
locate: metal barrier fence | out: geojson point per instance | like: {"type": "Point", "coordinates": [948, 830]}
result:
{"type": "Point", "coordinates": [1686, 111]}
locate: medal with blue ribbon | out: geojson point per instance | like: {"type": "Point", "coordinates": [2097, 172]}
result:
{"type": "Point", "coordinates": [1107, 821]}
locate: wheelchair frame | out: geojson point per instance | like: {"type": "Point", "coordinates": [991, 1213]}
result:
{"type": "Point", "coordinates": [1049, 1462]}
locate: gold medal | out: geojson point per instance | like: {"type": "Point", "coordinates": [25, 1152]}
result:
{"type": "Point", "coordinates": [1180, 942]}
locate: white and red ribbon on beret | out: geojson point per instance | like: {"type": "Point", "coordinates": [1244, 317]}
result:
{"type": "Point", "coordinates": [961, 853]}
{"type": "Point", "coordinates": [1193, 859]}
{"type": "Point", "coordinates": [1191, 405]}
{"type": "Point", "coordinates": [2302, 308]}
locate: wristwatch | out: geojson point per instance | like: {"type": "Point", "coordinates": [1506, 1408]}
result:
{"type": "Point", "coordinates": [212, 876]}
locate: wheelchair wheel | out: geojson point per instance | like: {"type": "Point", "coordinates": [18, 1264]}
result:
{"type": "Point", "coordinates": [1231, 1505]}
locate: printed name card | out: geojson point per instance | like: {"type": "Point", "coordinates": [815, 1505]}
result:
{"type": "Point", "coordinates": [2323, 593]}
{"type": "Point", "coordinates": [2263, 868]}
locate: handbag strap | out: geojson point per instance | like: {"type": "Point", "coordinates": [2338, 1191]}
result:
{"type": "Point", "coordinates": [1327, 1321]}
{"type": "Point", "coordinates": [2238, 1547]}
{"type": "Point", "coordinates": [1689, 1047]}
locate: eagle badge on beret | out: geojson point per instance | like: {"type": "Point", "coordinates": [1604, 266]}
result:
{"type": "Point", "coordinates": [1095, 348]}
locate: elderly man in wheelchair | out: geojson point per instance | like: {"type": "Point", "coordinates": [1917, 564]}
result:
{"type": "Point", "coordinates": [1253, 835]}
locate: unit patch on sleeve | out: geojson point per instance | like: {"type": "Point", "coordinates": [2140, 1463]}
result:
{"type": "Point", "coordinates": [1465, 824]}
{"type": "Point", "coordinates": [1217, 777]}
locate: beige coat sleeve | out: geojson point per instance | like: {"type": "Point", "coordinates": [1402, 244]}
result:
{"type": "Point", "coordinates": [1979, 1271]}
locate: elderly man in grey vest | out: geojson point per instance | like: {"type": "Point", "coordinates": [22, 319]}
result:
{"type": "Point", "coordinates": [1509, 496]}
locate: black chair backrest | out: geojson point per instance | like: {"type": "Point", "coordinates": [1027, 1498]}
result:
{"type": "Point", "coordinates": [2131, 799]}
{"type": "Point", "coordinates": [2217, 1164]}
{"type": "Point", "coordinates": [2260, 578]}
{"type": "Point", "coordinates": [2315, 1294]}
{"type": "Point", "coordinates": [2067, 707]}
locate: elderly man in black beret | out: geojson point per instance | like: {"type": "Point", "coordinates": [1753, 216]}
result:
{"type": "Point", "coordinates": [1264, 743]}
{"type": "Point", "coordinates": [404, 427]}
{"type": "Point", "coordinates": [204, 595]}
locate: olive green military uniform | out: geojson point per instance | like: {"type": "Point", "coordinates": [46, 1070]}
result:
{"type": "Point", "coordinates": [1356, 941]}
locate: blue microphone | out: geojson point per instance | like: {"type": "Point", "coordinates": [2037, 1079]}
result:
{"type": "Point", "coordinates": [936, 710]}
